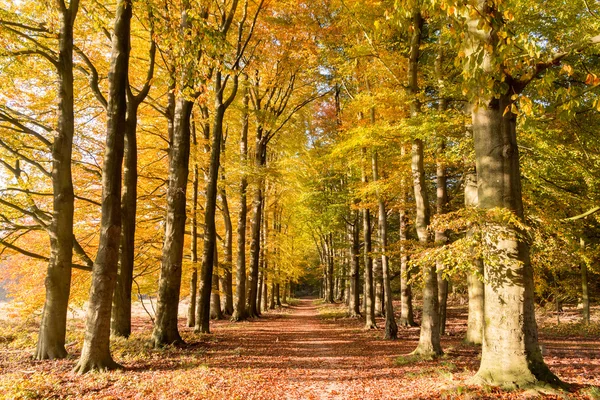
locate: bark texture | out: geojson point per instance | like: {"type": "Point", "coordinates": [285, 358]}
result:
{"type": "Point", "coordinates": [511, 354]}
{"type": "Point", "coordinates": [51, 339]}
{"type": "Point", "coordinates": [474, 279]}
{"type": "Point", "coordinates": [95, 354]}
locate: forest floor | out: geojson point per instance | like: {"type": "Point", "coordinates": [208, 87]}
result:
{"type": "Point", "coordinates": [305, 351]}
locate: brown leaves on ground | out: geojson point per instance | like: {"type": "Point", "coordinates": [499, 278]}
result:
{"type": "Point", "coordinates": [298, 353]}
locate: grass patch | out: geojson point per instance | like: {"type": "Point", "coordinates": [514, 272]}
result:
{"type": "Point", "coordinates": [331, 311]}
{"type": "Point", "coordinates": [293, 302]}
{"type": "Point", "coordinates": [408, 359]}
{"type": "Point", "coordinates": [593, 392]}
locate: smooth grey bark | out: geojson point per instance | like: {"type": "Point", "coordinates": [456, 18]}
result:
{"type": "Point", "coordinates": [239, 304]}
{"type": "Point", "coordinates": [510, 351]}
{"type": "Point", "coordinates": [52, 333]}
{"type": "Point", "coordinates": [121, 314]}
{"type": "Point", "coordinates": [95, 354]}
{"type": "Point", "coordinates": [391, 328]}
{"type": "Point", "coordinates": [475, 285]}
{"type": "Point", "coordinates": [429, 338]}
{"type": "Point", "coordinates": [272, 298]}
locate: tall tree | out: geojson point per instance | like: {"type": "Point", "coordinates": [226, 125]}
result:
{"type": "Point", "coordinates": [51, 339]}
{"type": "Point", "coordinates": [121, 315]}
{"type": "Point", "coordinates": [95, 354]}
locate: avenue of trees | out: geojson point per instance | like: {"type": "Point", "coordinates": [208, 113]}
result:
{"type": "Point", "coordinates": [227, 151]}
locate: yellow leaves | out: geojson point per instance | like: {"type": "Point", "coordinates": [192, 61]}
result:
{"type": "Point", "coordinates": [509, 16]}
{"type": "Point", "coordinates": [567, 69]}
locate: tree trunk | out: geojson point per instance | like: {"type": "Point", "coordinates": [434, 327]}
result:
{"type": "Point", "coordinates": [429, 339]}
{"type": "Point", "coordinates": [286, 287]}
{"type": "Point", "coordinates": [121, 322]}
{"type": "Point", "coordinates": [354, 234]}
{"type": "Point", "coordinates": [215, 296]}
{"type": "Point", "coordinates": [165, 327]}
{"type": "Point", "coordinates": [369, 299]}
{"type": "Point", "coordinates": [510, 352]}
{"type": "Point", "coordinates": [585, 297]}
{"type": "Point", "coordinates": [329, 281]}
{"type": "Point", "coordinates": [239, 304]}
{"type": "Point", "coordinates": [95, 354]}
{"type": "Point", "coordinates": [210, 231]}
{"type": "Point", "coordinates": [475, 278]}
{"type": "Point", "coordinates": [272, 300]}
{"type": "Point", "coordinates": [265, 298]}
{"type": "Point", "coordinates": [260, 160]}
{"type": "Point", "coordinates": [441, 238]}
{"type": "Point", "coordinates": [51, 339]}
{"type": "Point", "coordinates": [260, 290]}
{"type": "Point", "coordinates": [191, 320]}
{"type": "Point", "coordinates": [227, 279]}
{"type": "Point", "coordinates": [391, 329]}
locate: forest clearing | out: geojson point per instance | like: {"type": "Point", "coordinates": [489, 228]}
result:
{"type": "Point", "coordinates": [307, 351]}
{"type": "Point", "coordinates": [175, 174]}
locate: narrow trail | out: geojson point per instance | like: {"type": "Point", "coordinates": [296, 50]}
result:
{"type": "Point", "coordinates": [300, 356]}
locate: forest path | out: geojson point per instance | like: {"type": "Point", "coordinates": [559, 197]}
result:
{"type": "Point", "coordinates": [299, 355]}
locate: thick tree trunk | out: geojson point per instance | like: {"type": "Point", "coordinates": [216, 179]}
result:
{"type": "Point", "coordinates": [510, 351]}
{"type": "Point", "coordinates": [239, 304]}
{"type": "Point", "coordinates": [95, 354]}
{"type": "Point", "coordinates": [474, 279]}
{"type": "Point", "coordinates": [354, 234]}
{"type": "Point", "coordinates": [391, 329]}
{"type": "Point", "coordinates": [51, 339]}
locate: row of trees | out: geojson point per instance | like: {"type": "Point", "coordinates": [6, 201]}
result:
{"type": "Point", "coordinates": [431, 95]}
{"type": "Point", "coordinates": [355, 108]}
{"type": "Point", "coordinates": [183, 65]}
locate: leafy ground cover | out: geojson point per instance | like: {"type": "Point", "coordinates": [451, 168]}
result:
{"type": "Point", "coordinates": [306, 351]}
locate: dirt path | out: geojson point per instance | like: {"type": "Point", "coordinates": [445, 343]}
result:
{"type": "Point", "coordinates": [290, 353]}
{"type": "Point", "coordinates": [304, 357]}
